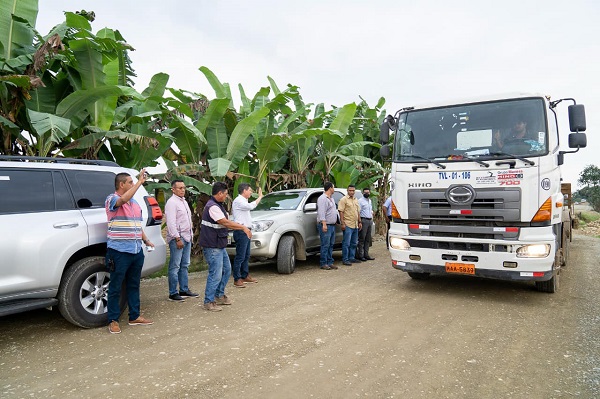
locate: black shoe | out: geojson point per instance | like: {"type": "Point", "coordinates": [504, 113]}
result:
{"type": "Point", "coordinates": [346, 263]}
{"type": "Point", "coordinates": [355, 260]}
{"type": "Point", "coordinates": [188, 294]}
{"type": "Point", "coordinates": [368, 258]}
{"type": "Point", "coordinates": [176, 298]}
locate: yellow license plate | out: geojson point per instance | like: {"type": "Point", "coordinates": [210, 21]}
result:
{"type": "Point", "coordinates": [462, 268]}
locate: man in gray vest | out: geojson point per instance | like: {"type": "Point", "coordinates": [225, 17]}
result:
{"type": "Point", "coordinates": [213, 240]}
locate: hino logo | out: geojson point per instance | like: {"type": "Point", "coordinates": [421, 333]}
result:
{"type": "Point", "coordinates": [460, 195]}
{"type": "Point", "coordinates": [414, 185]}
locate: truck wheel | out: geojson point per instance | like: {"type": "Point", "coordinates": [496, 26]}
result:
{"type": "Point", "coordinates": [82, 296]}
{"type": "Point", "coordinates": [286, 255]}
{"type": "Point", "coordinates": [419, 276]}
{"type": "Point", "coordinates": [550, 286]}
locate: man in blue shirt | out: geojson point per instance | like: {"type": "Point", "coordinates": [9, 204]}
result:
{"type": "Point", "coordinates": [326, 221]}
{"type": "Point", "coordinates": [387, 209]}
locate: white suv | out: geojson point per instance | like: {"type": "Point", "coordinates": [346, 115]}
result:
{"type": "Point", "coordinates": [53, 236]}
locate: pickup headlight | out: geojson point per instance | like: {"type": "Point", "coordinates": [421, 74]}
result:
{"type": "Point", "coordinates": [533, 251]}
{"type": "Point", "coordinates": [261, 225]}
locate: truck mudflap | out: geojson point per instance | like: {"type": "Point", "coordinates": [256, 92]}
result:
{"type": "Point", "coordinates": [478, 272]}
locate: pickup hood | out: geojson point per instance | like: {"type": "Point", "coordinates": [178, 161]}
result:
{"type": "Point", "coordinates": [278, 216]}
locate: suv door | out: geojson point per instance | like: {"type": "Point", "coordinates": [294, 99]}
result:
{"type": "Point", "coordinates": [309, 221]}
{"type": "Point", "coordinates": [40, 229]}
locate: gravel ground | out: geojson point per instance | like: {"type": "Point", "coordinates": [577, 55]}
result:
{"type": "Point", "coordinates": [361, 331]}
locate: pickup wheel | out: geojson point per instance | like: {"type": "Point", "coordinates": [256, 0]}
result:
{"type": "Point", "coordinates": [550, 286]}
{"type": "Point", "coordinates": [286, 255]}
{"type": "Point", "coordinates": [82, 296]}
{"type": "Point", "coordinates": [419, 276]}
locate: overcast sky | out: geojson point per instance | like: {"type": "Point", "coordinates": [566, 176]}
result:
{"type": "Point", "coordinates": [409, 52]}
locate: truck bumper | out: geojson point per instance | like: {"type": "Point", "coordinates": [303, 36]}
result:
{"type": "Point", "coordinates": [477, 257]}
{"type": "Point", "coordinates": [486, 273]}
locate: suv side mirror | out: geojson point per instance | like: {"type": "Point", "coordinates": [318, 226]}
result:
{"type": "Point", "coordinates": [576, 118]}
{"type": "Point", "coordinates": [311, 207]}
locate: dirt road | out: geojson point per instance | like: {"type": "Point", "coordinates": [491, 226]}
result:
{"type": "Point", "coordinates": [361, 331]}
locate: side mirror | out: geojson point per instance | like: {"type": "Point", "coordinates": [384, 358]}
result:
{"type": "Point", "coordinates": [384, 133]}
{"type": "Point", "coordinates": [311, 207]}
{"type": "Point", "coordinates": [384, 151]}
{"type": "Point", "coordinates": [577, 140]}
{"type": "Point", "coordinates": [576, 119]}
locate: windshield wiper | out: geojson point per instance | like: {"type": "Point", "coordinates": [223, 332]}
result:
{"type": "Point", "coordinates": [527, 161]}
{"type": "Point", "coordinates": [425, 159]}
{"type": "Point", "coordinates": [487, 165]}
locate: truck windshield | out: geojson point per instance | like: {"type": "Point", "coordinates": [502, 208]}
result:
{"type": "Point", "coordinates": [488, 130]}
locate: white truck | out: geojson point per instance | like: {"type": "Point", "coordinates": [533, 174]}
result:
{"type": "Point", "coordinates": [476, 188]}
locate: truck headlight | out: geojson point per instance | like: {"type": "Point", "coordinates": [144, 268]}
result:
{"type": "Point", "coordinates": [533, 251]}
{"type": "Point", "coordinates": [399, 243]}
{"type": "Point", "coordinates": [261, 225]}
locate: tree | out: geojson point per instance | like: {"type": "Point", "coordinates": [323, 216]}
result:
{"type": "Point", "coordinates": [590, 178]}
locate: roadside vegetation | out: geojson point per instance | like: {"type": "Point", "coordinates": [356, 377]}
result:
{"type": "Point", "coordinates": [70, 93]}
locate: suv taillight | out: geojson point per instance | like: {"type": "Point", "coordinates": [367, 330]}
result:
{"type": "Point", "coordinates": [154, 213]}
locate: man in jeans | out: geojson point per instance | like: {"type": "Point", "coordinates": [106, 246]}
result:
{"type": "Point", "coordinates": [124, 253]}
{"type": "Point", "coordinates": [351, 224]}
{"type": "Point", "coordinates": [366, 218]}
{"type": "Point", "coordinates": [240, 210]}
{"type": "Point", "coordinates": [326, 220]}
{"type": "Point", "coordinates": [179, 237]}
{"type": "Point", "coordinates": [213, 240]}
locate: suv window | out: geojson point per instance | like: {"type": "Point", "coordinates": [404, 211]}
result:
{"type": "Point", "coordinates": [33, 191]}
{"type": "Point", "coordinates": [91, 185]}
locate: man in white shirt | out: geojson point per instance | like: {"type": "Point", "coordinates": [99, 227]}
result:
{"type": "Point", "coordinates": [240, 209]}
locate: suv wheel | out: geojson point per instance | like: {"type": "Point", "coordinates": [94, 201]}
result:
{"type": "Point", "coordinates": [286, 255]}
{"type": "Point", "coordinates": [82, 297]}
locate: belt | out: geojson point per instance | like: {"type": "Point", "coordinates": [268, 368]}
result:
{"type": "Point", "coordinates": [366, 218]}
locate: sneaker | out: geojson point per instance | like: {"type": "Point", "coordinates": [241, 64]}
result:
{"type": "Point", "coordinates": [176, 298]}
{"type": "Point", "coordinates": [212, 306]}
{"type": "Point", "coordinates": [113, 327]}
{"type": "Point", "coordinates": [249, 279]}
{"type": "Point", "coordinates": [326, 267]}
{"type": "Point", "coordinates": [334, 267]}
{"type": "Point", "coordinates": [188, 294]}
{"type": "Point", "coordinates": [239, 283]}
{"type": "Point", "coordinates": [222, 300]}
{"type": "Point", "coordinates": [140, 321]}
{"type": "Point", "coordinates": [346, 263]}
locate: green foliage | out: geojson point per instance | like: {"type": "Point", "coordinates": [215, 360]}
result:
{"type": "Point", "coordinates": [590, 178]}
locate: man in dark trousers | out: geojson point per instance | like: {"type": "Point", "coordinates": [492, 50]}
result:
{"type": "Point", "coordinates": [124, 255]}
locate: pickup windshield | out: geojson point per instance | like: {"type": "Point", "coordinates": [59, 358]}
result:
{"type": "Point", "coordinates": [280, 201]}
{"type": "Point", "coordinates": [474, 132]}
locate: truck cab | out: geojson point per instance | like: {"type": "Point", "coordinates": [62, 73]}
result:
{"type": "Point", "coordinates": [477, 188]}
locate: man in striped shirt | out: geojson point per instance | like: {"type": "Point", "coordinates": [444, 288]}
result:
{"type": "Point", "coordinates": [124, 255]}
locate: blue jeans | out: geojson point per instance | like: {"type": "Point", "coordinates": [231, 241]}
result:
{"type": "Point", "coordinates": [349, 243]}
{"type": "Point", "coordinates": [327, 241]}
{"type": "Point", "coordinates": [178, 266]}
{"type": "Point", "coordinates": [219, 270]}
{"type": "Point", "coordinates": [242, 255]}
{"type": "Point", "coordinates": [128, 268]}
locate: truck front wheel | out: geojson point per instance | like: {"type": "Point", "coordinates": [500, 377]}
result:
{"type": "Point", "coordinates": [419, 276]}
{"type": "Point", "coordinates": [550, 286]}
{"type": "Point", "coordinates": [286, 255]}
